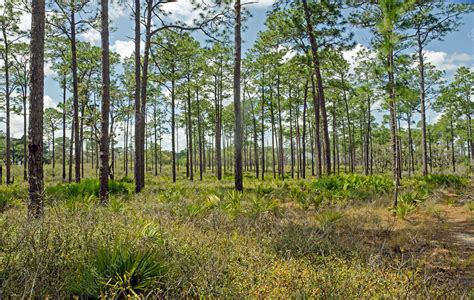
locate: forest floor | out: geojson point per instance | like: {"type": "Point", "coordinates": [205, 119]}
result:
{"type": "Point", "coordinates": [328, 238]}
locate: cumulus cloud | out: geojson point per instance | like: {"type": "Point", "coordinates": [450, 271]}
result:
{"type": "Point", "coordinates": [125, 48]}
{"type": "Point", "coordinates": [16, 120]}
{"type": "Point", "coordinates": [261, 3]}
{"type": "Point", "coordinates": [92, 36]}
{"type": "Point", "coordinates": [448, 62]}
{"type": "Point", "coordinates": [117, 11]}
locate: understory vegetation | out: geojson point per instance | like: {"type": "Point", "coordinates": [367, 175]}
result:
{"type": "Point", "coordinates": [332, 237]}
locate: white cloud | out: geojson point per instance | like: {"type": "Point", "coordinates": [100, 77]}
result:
{"type": "Point", "coordinates": [183, 11]}
{"type": "Point", "coordinates": [117, 11]}
{"type": "Point", "coordinates": [25, 21]}
{"type": "Point", "coordinates": [289, 55]}
{"type": "Point", "coordinates": [260, 3]}
{"type": "Point", "coordinates": [48, 71]}
{"type": "Point", "coordinates": [350, 55]}
{"type": "Point", "coordinates": [125, 48]}
{"type": "Point", "coordinates": [48, 102]}
{"type": "Point", "coordinates": [16, 120]}
{"type": "Point", "coordinates": [447, 62]}
{"type": "Point", "coordinates": [92, 36]}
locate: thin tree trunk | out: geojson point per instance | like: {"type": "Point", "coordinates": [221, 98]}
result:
{"type": "Point", "coordinates": [281, 165]}
{"type": "Point", "coordinates": [453, 159]}
{"type": "Point", "coordinates": [421, 69]}
{"type": "Point", "coordinates": [237, 108]}
{"type": "Point", "coordinates": [7, 104]}
{"type": "Point", "coordinates": [173, 129]}
{"type": "Point", "coordinates": [305, 108]}
{"type": "Point", "coordinates": [64, 128]}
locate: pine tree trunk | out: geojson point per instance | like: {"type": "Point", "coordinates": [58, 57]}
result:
{"type": "Point", "coordinates": [237, 108]}
{"type": "Point", "coordinates": [281, 165]}
{"type": "Point", "coordinates": [316, 128]}
{"type": "Point", "coordinates": [105, 111]}
{"type": "Point", "coordinates": [35, 136]}
{"type": "Point", "coordinates": [173, 129]}
{"type": "Point", "coordinates": [139, 110]}
{"type": "Point", "coordinates": [6, 67]}
{"type": "Point", "coordinates": [453, 159]}
{"type": "Point", "coordinates": [421, 69]}
{"type": "Point", "coordinates": [263, 127]}
{"type": "Point", "coordinates": [320, 90]}
{"type": "Point", "coordinates": [77, 141]}
{"type": "Point", "coordinates": [190, 134]}
{"type": "Point", "coordinates": [25, 142]}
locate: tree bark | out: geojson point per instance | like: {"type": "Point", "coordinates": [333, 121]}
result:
{"type": "Point", "coordinates": [173, 129]}
{"type": "Point", "coordinates": [35, 130]}
{"type": "Point", "coordinates": [421, 69]}
{"type": "Point", "coordinates": [7, 103]}
{"type": "Point", "coordinates": [237, 109]}
{"type": "Point", "coordinates": [77, 141]}
{"type": "Point", "coordinates": [139, 110]}
{"type": "Point", "coordinates": [104, 136]}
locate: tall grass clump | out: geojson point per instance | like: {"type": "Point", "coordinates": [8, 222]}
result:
{"type": "Point", "coordinates": [122, 272]}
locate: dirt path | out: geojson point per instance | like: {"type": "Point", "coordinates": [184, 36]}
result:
{"type": "Point", "coordinates": [458, 223]}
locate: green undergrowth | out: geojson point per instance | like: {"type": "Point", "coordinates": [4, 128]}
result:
{"type": "Point", "coordinates": [325, 238]}
{"type": "Point", "coordinates": [88, 187]}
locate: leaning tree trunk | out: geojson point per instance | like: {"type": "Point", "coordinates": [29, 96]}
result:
{"type": "Point", "coordinates": [421, 69]}
{"type": "Point", "coordinates": [35, 136]}
{"type": "Point", "coordinates": [320, 90]}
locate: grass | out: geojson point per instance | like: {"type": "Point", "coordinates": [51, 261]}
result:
{"type": "Point", "coordinates": [329, 238]}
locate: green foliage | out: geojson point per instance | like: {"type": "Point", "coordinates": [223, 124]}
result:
{"type": "Point", "coordinates": [408, 201]}
{"type": "Point", "coordinates": [87, 187]}
{"type": "Point", "coordinates": [443, 180]}
{"type": "Point", "coordinates": [11, 195]}
{"type": "Point", "coordinates": [232, 202]}
{"type": "Point", "coordinates": [403, 209]}
{"type": "Point", "coordinates": [173, 194]}
{"type": "Point", "coordinates": [122, 272]}
{"type": "Point", "coordinates": [351, 187]}
{"type": "Point", "coordinates": [261, 205]}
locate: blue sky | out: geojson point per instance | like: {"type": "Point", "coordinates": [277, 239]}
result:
{"type": "Point", "coordinates": [456, 50]}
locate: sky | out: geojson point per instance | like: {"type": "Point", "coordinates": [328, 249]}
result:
{"type": "Point", "coordinates": [456, 50]}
